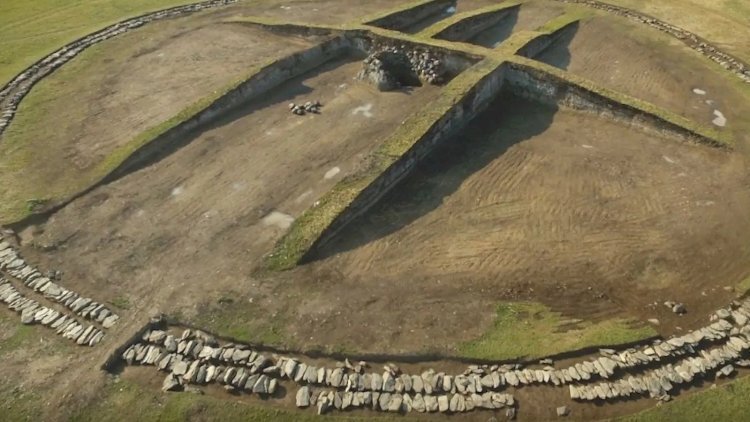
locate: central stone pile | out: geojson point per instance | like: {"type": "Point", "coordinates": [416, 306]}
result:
{"type": "Point", "coordinates": [391, 67]}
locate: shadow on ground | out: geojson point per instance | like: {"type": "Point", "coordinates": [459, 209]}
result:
{"type": "Point", "coordinates": [509, 120]}
{"type": "Point", "coordinates": [558, 53]}
{"type": "Point", "coordinates": [497, 32]}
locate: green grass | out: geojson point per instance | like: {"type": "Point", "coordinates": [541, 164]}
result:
{"type": "Point", "coordinates": [726, 403]}
{"type": "Point", "coordinates": [232, 316]}
{"type": "Point", "coordinates": [531, 330]}
{"type": "Point", "coordinates": [23, 335]}
{"type": "Point", "coordinates": [29, 30]}
{"type": "Point", "coordinates": [127, 401]}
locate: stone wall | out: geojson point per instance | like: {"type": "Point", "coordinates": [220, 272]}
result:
{"type": "Point", "coordinates": [402, 19]}
{"type": "Point", "coordinates": [726, 60]}
{"type": "Point", "coordinates": [14, 91]}
{"type": "Point", "coordinates": [473, 102]}
{"type": "Point", "coordinates": [548, 88]}
{"type": "Point", "coordinates": [63, 307]}
{"type": "Point", "coordinates": [191, 358]}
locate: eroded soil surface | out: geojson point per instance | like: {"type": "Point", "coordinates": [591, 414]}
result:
{"type": "Point", "coordinates": [588, 216]}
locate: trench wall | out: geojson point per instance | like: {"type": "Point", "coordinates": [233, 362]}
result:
{"type": "Point", "coordinates": [402, 19]}
{"type": "Point", "coordinates": [267, 78]}
{"type": "Point", "coordinates": [469, 27]}
{"type": "Point", "coordinates": [540, 43]}
{"type": "Point", "coordinates": [470, 104]}
{"type": "Point", "coordinates": [551, 89]}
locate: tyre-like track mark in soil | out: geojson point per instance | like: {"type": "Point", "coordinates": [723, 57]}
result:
{"type": "Point", "coordinates": [598, 208]}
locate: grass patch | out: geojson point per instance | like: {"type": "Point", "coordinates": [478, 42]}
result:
{"type": "Point", "coordinates": [531, 330]}
{"type": "Point", "coordinates": [121, 302]}
{"type": "Point", "coordinates": [726, 403]}
{"type": "Point", "coordinates": [23, 335]}
{"type": "Point", "coordinates": [125, 400]}
{"type": "Point", "coordinates": [30, 30]}
{"type": "Point", "coordinates": [232, 316]}
{"type": "Point", "coordinates": [312, 223]}
{"type": "Point", "coordinates": [743, 286]}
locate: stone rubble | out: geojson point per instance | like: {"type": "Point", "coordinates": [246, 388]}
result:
{"type": "Point", "coordinates": [308, 107]}
{"type": "Point", "coordinates": [390, 67]}
{"type": "Point", "coordinates": [34, 313]}
{"type": "Point", "coordinates": [13, 92]}
{"type": "Point", "coordinates": [197, 358]}
{"type": "Point", "coordinates": [12, 264]}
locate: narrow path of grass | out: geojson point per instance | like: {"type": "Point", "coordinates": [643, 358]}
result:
{"type": "Point", "coordinates": [29, 30]}
{"type": "Point", "coordinates": [531, 330]}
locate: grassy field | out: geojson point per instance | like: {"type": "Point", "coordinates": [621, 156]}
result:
{"type": "Point", "coordinates": [29, 30]}
{"type": "Point", "coordinates": [531, 330]}
{"type": "Point", "coordinates": [725, 23]}
{"type": "Point", "coordinates": [130, 401]}
{"type": "Point", "coordinates": [726, 403]}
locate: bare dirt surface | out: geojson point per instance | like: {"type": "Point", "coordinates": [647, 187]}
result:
{"type": "Point", "coordinates": [590, 217]}
{"type": "Point", "coordinates": [528, 17]}
{"type": "Point", "coordinates": [651, 66]}
{"type": "Point", "coordinates": [203, 217]}
{"type": "Point", "coordinates": [310, 11]}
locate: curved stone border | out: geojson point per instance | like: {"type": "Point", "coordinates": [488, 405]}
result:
{"type": "Point", "coordinates": [32, 312]}
{"type": "Point", "coordinates": [655, 370]}
{"type": "Point", "coordinates": [726, 60]}
{"type": "Point", "coordinates": [13, 92]}
{"type": "Point", "coordinates": [32, 278]}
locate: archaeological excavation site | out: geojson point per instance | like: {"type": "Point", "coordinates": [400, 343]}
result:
{"type": "Point", "coordinates": [355, 210]}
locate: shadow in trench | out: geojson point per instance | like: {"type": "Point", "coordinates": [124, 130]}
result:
{"type": "Point", "coordinates": [509, 120]}
{"type": "Point", "coordinates": [558, 52]}
{"type": "Point", "coordinates": [498, 32]}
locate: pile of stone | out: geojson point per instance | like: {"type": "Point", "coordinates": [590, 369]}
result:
{"type": "Point", "coordinates": [12, 93]}
{"type": "Point", "coordinates": [14, 265]}
{"type": "Point", "coordinates": [676, 307]}
{"type": "Point", "coordinates": [728, 62]}
{"type": "Point", "coordinates": [32, 313]}
{"type": "Point", "coordinates": [391, 67]}
{"type": "Point", "coordinates": [308, 107]}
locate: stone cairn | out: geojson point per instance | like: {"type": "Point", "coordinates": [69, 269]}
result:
{"type": "Point", "coordinates": [12, 94]}
{"type": "Point", "coordinates": [656, 370]}
{"type": "Point", "coordinates": [691, 40]}
{"type": "Point", "coordinates": [67, 325]}
{"type": "Point", "coordinates": [390, 67]}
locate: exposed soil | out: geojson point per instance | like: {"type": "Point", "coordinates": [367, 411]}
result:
{"type": "Point", "coordinates": [590, 217]}
{"type": "Point", "coordinates": [528, 17]}
{"type": "Point", "coordinates": [651, 66]}
{"type": "Point", "coordinates": [204, 216]}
